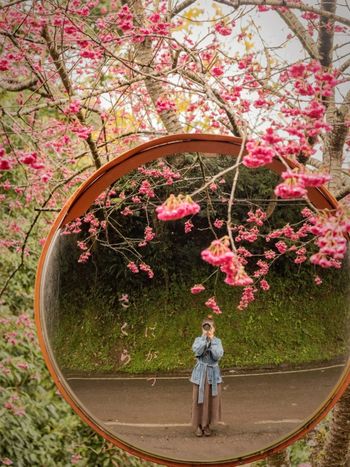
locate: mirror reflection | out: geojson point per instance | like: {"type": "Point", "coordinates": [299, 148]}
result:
{"type": "Point", "coordinates": [125, 296]}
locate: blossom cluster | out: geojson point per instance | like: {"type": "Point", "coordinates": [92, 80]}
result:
{"type": "Point", "coordinates": [223, 29]}
{"type": "Point", "coordinates": [149, 236]}
{"type": "Point", "coordinates": [331, 230]}
{"type": "Point", "coordinates": [197, 288]}
{"type": "Point", "coordinates": [125, 19]}
{"type": "Point", "coordinates": [165, 172]}
{"type": "Point", "coordinates": [219, 254]}
{"type": "Point", "coordinates": [211, 303]}
{"type": "Point", "coordinates": [258, 154]}
{"type": "Point", "coordinates": [143, 267]}
{"type": "Point", "coordinates": [176, 207]}
{"type": "Point", "coordinates": [257, 217]}
{"type": "Point", "coordinates": [164, 105]}
{"type": "Point", "coordinates": [296, 182]}
{"type": "Point", "coordinates": [247, 297]}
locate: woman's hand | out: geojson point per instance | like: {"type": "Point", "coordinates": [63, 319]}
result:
{"type": "Point", "coordinates": [210, 334]}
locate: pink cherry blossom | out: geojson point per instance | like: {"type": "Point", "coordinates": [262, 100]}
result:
{"type": "Point", "coordinates": [263, 268]}
{"type": "Point", "coordinates": [74, 107]}
{"type": "Point", "coordinates": [22, 366]}
{"type": "Point", "coordinates": [6, 461]}
{"type": "Point", "coordinates": [149, 234]}
{"type": "Point", "coordinates": [236, 276]}
{"type": "Point", "coordinates": [217, 71]}
{"type": "Point", "coordinates": [258, 155]}
{"type": "Point", "coordinates": [281, 246]}
{"type": "Point", "coordinates": [132, 266]}
{"type": "Point", "coordinates": [197, 288]}
{"type": "Point", "coordinates": [223, 29]}
{"type": "Point", "coordinates": [218, 223]}
{"type": "Point", "coordinates": [80, 130]}
{"type": "Point", "coordinates": [83, 258]}
{"type": "Point", "coordinates": [5, 164]}
{"type": "Point", "coordinates": [164, 105]}
{"type": "Point", "coordinates": [269, 254]}
{"type": "Point", "coordinates": [317, 179]}
{"type": "Point", "coordinates": [318, 280]}
{"type": "Point", "coordinates": [248, 235]}
{"type": "Point", "coordinates": [125, 19]}
{"type": "Point", "coordinates": [257, 217]}
{"type": "Point", "coordinates": [75, 458]}
{"type": "Point", "coordinates": [176, 207]}
{"type": "Point", "coordinates": [145, 189]}
{"type": "Point", "coordinates": [314, 110]}
{"type": "Point", "coordinates": [243, 252]}
{"type": "Point", "coordinates": [188, 226]}
{"type": "Point", "coordinates": [218, 253]}
{"type": "Point", "coordinates": [297, 70]}
{"type": "Point", "coordinates": [24, 320]}
{"type": "Point", "coordinates": [247, 297]}
{"type": "Point", "coordinates": [292, 187]}
{"type": "Point", "coordinates": [264, 285]}
{"type": "Point", "coordinates": [146, 268]}
{"type": "Point", "coordinates": [211, 303]}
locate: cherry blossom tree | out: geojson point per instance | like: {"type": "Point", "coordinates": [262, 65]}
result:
{"type": "Point", "coordinates": [83, 81]}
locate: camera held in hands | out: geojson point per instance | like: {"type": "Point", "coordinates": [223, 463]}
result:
{"type": "Point", "coordinates": [206, 326]}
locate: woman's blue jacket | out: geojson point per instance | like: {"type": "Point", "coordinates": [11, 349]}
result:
{"type": "Point", "coordinates": [208, 354]}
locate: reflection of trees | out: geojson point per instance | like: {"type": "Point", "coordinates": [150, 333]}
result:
{"type": "Point", "coordinates": [121, 216]}
{"type": "Point", "coordinates": [174, 254]}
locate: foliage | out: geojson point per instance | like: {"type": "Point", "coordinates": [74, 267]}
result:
{"type": "Point", "coordinates": [287, 326]}
{"type": "Point", "coordinates": [37, 426]}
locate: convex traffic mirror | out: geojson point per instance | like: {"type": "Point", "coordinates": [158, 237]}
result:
{"type": "Point", "coordinates": [134, 263]}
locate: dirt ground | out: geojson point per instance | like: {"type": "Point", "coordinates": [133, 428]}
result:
{"type": "Point", "coordinates": [153, 415]}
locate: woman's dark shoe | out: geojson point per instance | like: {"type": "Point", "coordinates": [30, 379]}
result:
{"type": "Point", "coordinates": [207, 431]}
{"type": "Point", "coordinates": [199, 431]}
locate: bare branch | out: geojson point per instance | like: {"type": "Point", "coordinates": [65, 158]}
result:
{"type": "Point", "coordinates": [12, 85]}
{"type": "Point", "coordinates": [35, 220]}
{"type": "Point", "coordinates": [326, 33]}
{"type": "Point", "coordinates": [342, 192]}
{"type": "Point", "coordinates": [345, 107]}
{"type": "Point", "coordinates": [61, 69]}
{"type": "Point", "coordinates": [182, 6]}
{"type": "Point", "coordinates": [344, 66]}
{"type": "Point", "coordinates": [286, 4]}
{"type": "Point", "coordinates": [15, 2]}
{"type": "Point", "coordinates": [314, 162]}
{"type": "Point", "coordinates": [271, 205]}
{"type": "Point", "coordinates": [302, 34]}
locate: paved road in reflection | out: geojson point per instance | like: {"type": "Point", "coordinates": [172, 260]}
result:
{"type": "Point", "coordinates": [154, 414]}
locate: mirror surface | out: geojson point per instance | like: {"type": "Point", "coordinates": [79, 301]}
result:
{"type": "Point", "coordinates": [119, 317]}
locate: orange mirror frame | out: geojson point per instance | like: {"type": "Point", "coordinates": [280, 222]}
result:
{"type": "Point", "coordinates": [80, 202]}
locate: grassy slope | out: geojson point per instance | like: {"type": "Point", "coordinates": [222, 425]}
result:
{"type": "Point", "coordinates": [288, 324]}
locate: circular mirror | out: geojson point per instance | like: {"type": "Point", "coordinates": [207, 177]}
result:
{"type": "Point", "coordinates": [122, 292]}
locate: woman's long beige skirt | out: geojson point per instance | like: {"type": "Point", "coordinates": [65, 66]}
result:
{"type": "Point", "coordinates": [208, 413]}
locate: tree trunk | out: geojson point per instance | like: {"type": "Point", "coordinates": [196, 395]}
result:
{"type": "Point", "coordinates": [334, 147]}
{"type": "Point", "coordinates": [155, 88]}
{"type": "Point", "coordinates": [335, 451]}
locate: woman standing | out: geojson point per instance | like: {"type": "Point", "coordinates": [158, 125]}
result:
{"type": "Point", "coordinates": [206, 379]}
